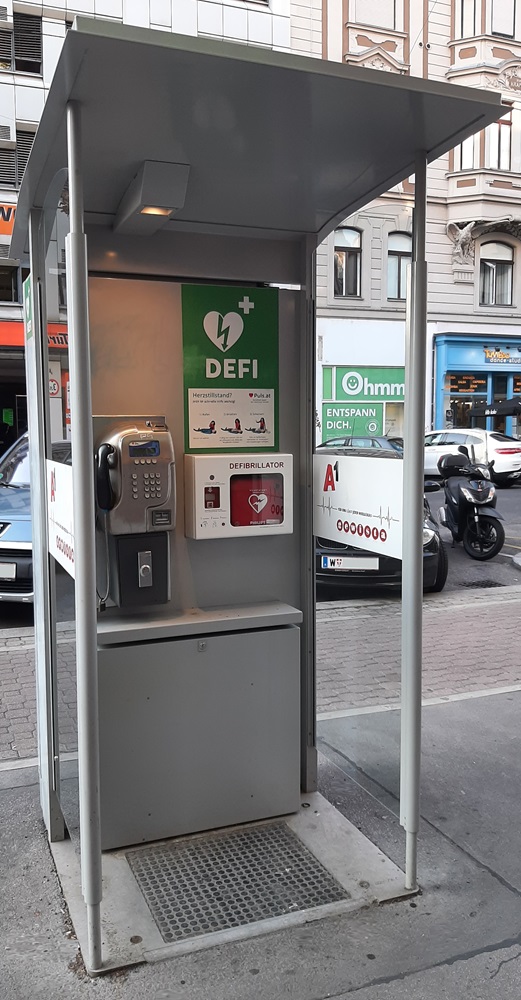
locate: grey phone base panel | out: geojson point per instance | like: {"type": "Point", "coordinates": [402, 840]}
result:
{"type": "Point", "coordinates": [198, 733]}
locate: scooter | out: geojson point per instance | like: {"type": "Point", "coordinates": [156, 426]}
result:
{"type": "Point", "coordinates": [469, 511]}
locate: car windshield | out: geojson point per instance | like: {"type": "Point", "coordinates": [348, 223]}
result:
{"type": "Point", "coordinates": [14, 468]}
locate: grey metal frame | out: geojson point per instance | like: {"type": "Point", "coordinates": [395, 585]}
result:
{"type": "Point", "coordinates": [84, 517]}
{"type": "Point", "coordinates": [412, 571]}
{"type": "Point", "coordinates": [43, 580]}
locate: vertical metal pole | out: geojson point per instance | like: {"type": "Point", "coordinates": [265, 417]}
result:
{"type": "Point", "coordinates": [84, 544]}
{"type": "Point", "coordinates": [412, 586]}
{"type": "Point", "coordinates": [309, 761]}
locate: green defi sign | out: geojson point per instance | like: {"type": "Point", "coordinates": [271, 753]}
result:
{"type": "Point", "coordinates": [370, 384]}
{"type": "Point", "coordinates": [231, 368]}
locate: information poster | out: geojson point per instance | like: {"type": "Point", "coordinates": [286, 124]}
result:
{"type": "Point", "coordinates": [231, 368]}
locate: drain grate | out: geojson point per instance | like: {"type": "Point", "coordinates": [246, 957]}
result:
{"type": "Point", "coordinates": [481, 584]}
{"type": "Point", "coordinates": [230, 879]}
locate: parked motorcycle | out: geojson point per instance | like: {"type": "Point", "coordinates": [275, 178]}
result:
{"type": "Point", "coordinates": [469, 510]}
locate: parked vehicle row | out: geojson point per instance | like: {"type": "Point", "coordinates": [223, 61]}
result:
{"type": "Point", "coordinates": [483, 448]}
{"type": "Point", "coordinates": [469, 510]}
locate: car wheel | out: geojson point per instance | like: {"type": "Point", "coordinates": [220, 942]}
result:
{"type": "Point", "coordinates": [443, 569]}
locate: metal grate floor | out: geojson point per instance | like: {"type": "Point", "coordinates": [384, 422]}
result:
{"type": "Point", "coordinates": [481, 584]}
{"type": "Point", "coordinates": [230, 879]}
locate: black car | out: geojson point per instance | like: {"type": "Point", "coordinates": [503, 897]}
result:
{"type": "Point", "coordinates": [364, 441]}
{"type": "Point", "coordinates": [338, 564]}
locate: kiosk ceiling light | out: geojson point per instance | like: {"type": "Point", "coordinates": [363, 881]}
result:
{"type": "Point", "coordinates": [156, 210]}
{"type": "Point", "coordinates": [154, 194]}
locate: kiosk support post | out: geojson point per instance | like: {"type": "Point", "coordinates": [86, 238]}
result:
{"type": "Point", "coordinates": [412, 586]}
{"type": "Point", "coordinates": [85, 556]}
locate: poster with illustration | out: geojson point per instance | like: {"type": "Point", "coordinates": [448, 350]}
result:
{"type": "Point", "coordinates": [231, 368]}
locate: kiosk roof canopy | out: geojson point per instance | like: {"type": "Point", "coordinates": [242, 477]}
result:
{"type": "Point", "coordinates": [277, 144]}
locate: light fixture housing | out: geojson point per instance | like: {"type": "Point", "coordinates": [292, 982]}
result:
{"type": "Point", "coordinates": [155, 193]}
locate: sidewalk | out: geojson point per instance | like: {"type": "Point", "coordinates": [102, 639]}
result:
{"type": "Point", "coordinates": [358, 660]}
{"type": "Point", "coordinates": [459, 939]}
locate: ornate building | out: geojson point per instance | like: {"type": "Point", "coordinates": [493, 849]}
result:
{"type": "Point", "coordinates": [473, 238]}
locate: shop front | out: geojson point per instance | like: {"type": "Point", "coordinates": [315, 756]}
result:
{"type": "Point", "coordinates": [362, 401]}
{"type": "Point", "coordinates": [472, 371]}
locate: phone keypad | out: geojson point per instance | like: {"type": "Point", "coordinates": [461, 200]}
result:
{"type": "Point", "coordinates": [149, 484]}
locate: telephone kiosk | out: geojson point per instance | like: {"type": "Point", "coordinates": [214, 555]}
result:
{"type": "Point", "coordinates": [135, 499]}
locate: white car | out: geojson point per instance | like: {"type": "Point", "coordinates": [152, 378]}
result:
{"type": "Point", "coordinates": [483, 446]}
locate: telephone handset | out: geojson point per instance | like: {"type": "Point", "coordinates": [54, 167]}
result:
{"type": "Point", "coordinates": [105, 460]}
{"type": "Point", "coordinates": [135, 481]}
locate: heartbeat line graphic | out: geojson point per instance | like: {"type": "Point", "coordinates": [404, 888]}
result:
{"type": "Point", "coordinates": [383, 518]}
{"type": "Point", "coordinates": [330, 509]}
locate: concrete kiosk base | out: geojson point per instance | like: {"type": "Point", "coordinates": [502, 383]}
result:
{"type": "Point", "coordinates": [131, 935]}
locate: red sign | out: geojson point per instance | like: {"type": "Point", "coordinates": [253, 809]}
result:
{"type": "Point", "coordinates": [7, 214]}
{"type": "Point", "coordinates": [12, 334]}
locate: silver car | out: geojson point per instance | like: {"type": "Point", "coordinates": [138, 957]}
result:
{"type": "Point", "coordinates": [16, 546]}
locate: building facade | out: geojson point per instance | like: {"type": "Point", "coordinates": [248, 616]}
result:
{"type": "Point", "coordinates": [31, 36]}
{"type": "Point", "coordinates": [473, 231]}
{"type": "Point", "coordinates": [474, 204]}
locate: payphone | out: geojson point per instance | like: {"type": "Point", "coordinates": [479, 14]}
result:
{"type": "Point", "coordinates": [135, 501]}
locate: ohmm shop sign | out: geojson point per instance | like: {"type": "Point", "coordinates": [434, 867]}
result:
{"type": "Point", "coordinates": [370, 384]}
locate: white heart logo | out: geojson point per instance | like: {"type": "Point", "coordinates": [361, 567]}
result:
{"type": "Point", "coordinates": [257, 501]}
{"type": "Point", "coordinates": [223, 331]}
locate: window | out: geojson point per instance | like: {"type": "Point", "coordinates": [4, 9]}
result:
{"type": "Point", "coordinates": [379, 13]}
{"type": "Point", "coordinates": [496, 272]}
{"type": "Point", "coordinates": [466, 19]}
{"type": "Point", "coordinates": [399, 251]}
{"type": "Point", "coordinates": [348, 262]}
{"type": "Point", "coordinates": [466, 154]}
{"type": "Point", "coordinates": [503, 17]}
{"type": "Point", "coordinates": [11, 279]}
{"type": "Point", "coordinates": [500, 143]}
{"type": "Point", "coordinates": [14, 161]}
{"type": "Point", "coordinates": [21, 48]}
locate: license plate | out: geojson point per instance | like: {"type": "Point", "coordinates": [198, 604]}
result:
{"type": "Point", "coordinates": [7, 571]}
{"type": "Point", "coordinates": [350, 562]}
